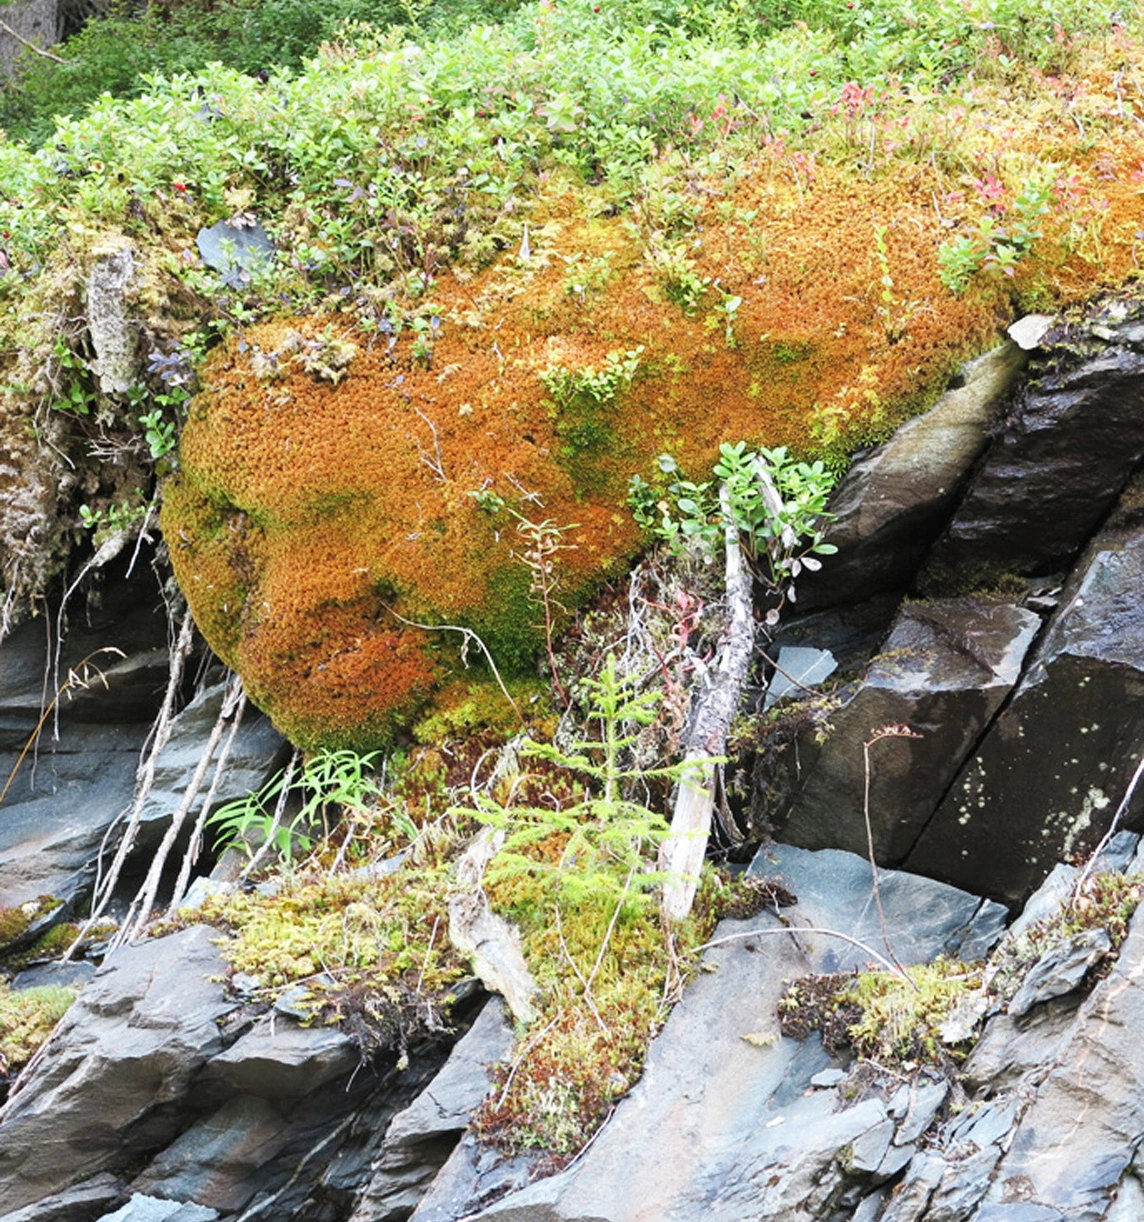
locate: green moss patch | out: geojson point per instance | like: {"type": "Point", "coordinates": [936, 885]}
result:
{"type": "Point", "coordinates": [27, 1018]}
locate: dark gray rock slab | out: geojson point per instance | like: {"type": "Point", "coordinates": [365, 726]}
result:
{"type": "Point", "coordinates": [985, 1125]}
{"type": "Point", "coordinates": [869, 1149]}
{"type": "Point", "coordinates": [217, 1161]}
{"type": "Point", "coordinates": [423, 1139]}
{"type": "Point", "coordinates": [67, 791]}
{"type": "Point", "coordinates": [1009, 1048]}
{"type": "Point", "coordinates": [73, 974]}
{"type": "Point", "coordinates": [54, 819]}
{"type": "Point", "coordinates": [1061, 969]}
{"type": "Point", "coordinates": [894, 502]}
{"type": "Point", "coordinates": [926, 917]}
{"type": "Point", "coordinates": [912, 1196]}
{"type": "Point", "coordinates": [279, 1060]}
{"type": "Point", "coordinates": [964, 1184]}
{"type": "Point", "coordinates": [1069, 444]}
{"type": "Point", "coordinates": [235, 252]}
{"type": "Point", "coordinates": [924, 1103]}
{"type": "Point", "coordinates": [115, 1077]}
{"type": "Point", "coordinates": [944, 671]}
{"type": "Point", "coordinates": [79, 1203]}
{"type": "Point", "coordinates": [828, 1078]}
{"type": "Point", "coordinates": [1019, 1211]}
{"type": "Point", "coordinates": [471, 1176]}
{"type": "Point", "coordinates": [1044, 784]}
{"type": "Point", "coordinates": [1128, 1205]}
{"type": "Point", "coordinates": [447, 1103]}
{"type": "Point", "coordinates": [1120, 853]}
{"type": "Point", "coordinates": [57, 815]}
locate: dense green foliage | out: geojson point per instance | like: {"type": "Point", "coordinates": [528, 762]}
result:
{"type": "Point", "coordinates": [115, 54]}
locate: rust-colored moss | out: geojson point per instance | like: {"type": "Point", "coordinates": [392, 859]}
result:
{"type": "Point", "coordinates": [314, 524]}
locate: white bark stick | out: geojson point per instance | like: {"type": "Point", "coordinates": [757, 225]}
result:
{"type": "Point", "coordinates": [684, 849]}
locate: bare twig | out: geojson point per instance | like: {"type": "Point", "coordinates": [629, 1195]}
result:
{"type": "Point", "coordinates": [518, 1060]}
{"type": "Point", "coordinates": [810, 691]}
{"type": "Point", "coordinates": [469, 635]}
{"type": "Point", "coordinates": [1106, 839]}
{"type": "Point", "coordinates": [32, 46]}
{"type": "Point", "coordinates": [276, 819]}
{"type": "Point", "coordinates": [434, 464]}
{"type": "Point", "coordinates": [139, 912]}
{"type": "Point", "coordinates": [146, 776]}
{"type": "Point", "coordinates": [78, 676]}
{"type": "Point", "coordinates": [194, 844]}
{"type": "Point", "coordinates": [584, 982]}
{"type": "Point", "coordinates": [894, 731]}
{"type": "Point", "coordinates": [793, 931]}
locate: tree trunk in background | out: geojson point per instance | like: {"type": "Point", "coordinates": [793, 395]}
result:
{"type": "Point", "coordinates": [35, 20]}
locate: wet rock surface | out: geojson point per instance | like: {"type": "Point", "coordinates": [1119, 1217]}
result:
{"type": "Point", "coordinates": [1068, 445]}
{"type": "Point", "coordinates": [78, 779]}
{"type": "Point", "coordinates": [944, 671]}
{"type": "Point", "coordinates": [68, 789]}
{"type": "Point", "coordinates": [894, 502]}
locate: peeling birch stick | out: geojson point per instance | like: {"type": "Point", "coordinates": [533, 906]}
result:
{"type": "Point", "coordinates": [146, 776]}
{"type": "Point", "coordinates": [683, 851]}
{"type": "Point", "coordinates": [787, 540]}
{"type": "Point", "coordinates": [140, 911]}
{"type": "Point", "coordinates": [194, 845]}
{"type": "Point", "coordinates": [491, 943]}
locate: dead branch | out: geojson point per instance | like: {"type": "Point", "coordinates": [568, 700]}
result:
{"type": "Point", "coordinates": [146, 778]}
{"type": "Point", "coordinates": [32, 46]}
{"type": "Point", "coordinates": [684, 849]}
{"type": "Point", "coordinates": [194, 845]}
{"type": "Point", "coordinates": [140, 911]}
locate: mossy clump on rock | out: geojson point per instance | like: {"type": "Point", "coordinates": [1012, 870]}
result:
{"type": "Point", "coordinates": [27, 1017]}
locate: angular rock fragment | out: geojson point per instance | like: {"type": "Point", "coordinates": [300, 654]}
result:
{"type": "Point", "coordinates": [895, 501]}
{"type": "Point", "coordinates": [115, 1076]}
{"type": "Point", "coordinates": [1060, 969]}
{"type": "Point", "coordinates": [1068, 446]}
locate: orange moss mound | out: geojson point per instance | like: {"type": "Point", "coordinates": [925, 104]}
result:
{"type": "Point", "coordinates": [315, 524]}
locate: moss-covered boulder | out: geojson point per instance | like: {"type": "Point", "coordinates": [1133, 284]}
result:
{"type": "Point", "coordinates": [340, 476]}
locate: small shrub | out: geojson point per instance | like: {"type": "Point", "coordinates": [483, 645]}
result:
{"type": "Point", "coordinates": [780, 542]}
{"type": "Point", "coordinates": [331, 783]}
